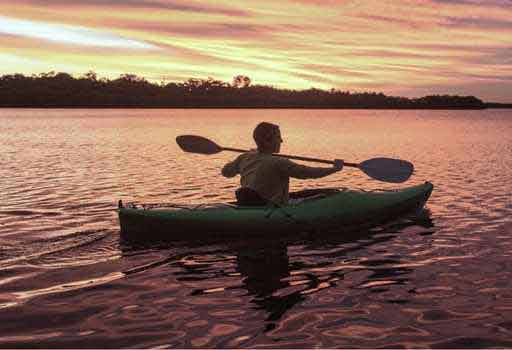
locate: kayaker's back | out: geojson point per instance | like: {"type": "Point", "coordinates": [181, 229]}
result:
{"type": "Point", "coordinates": [261, 172]}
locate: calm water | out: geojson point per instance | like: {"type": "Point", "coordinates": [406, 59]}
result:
{"type": "Point", "coordinates": [68, 280]}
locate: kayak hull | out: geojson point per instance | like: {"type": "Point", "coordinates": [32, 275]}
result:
{"type": "Point", "coordinates": [340, 211]}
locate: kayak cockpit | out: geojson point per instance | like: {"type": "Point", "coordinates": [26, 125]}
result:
{"type": "Point", "coordinates": [296, 198]}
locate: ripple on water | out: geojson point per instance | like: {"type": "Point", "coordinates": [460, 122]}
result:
{"type": "Point", "coordinates": [441, 281]}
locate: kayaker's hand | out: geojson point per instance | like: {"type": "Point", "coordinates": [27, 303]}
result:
{"type": "Point", "coordinates": [338, 164]}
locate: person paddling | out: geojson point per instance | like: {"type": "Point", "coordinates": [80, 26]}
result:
{"type": "Point", "coordinates": [266, 178]}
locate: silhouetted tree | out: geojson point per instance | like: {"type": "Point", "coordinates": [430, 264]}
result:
{"type": "Point", "coordinates": [90, 75]}
{"type": "Point", "coordinates": [129, 90]}
{"type": "Point", "coordinates": [241, 81]}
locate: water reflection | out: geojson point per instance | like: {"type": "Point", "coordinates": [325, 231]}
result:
{"type": "Point", "coordinates": [265, 266]}
{"type": "Point", "coordinates": [278, 274]}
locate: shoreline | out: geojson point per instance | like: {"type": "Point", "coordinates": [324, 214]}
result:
{"type": "Point", "coordinates": [262, 107]}
{"type": "Point", "coordinates": [61, 90]}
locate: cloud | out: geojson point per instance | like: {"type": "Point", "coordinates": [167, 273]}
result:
{"type": "Point", "coordinates": [335, 70]}
{"type": "Point", "coordinates": [478, 22]}
{"type": "Point", "coordinates": [406, 22]}
{"type": "Point", "coordinates": [202, 30]}
{"type": "Point", "coordinates": [67, 34]}
{"type": "Point", "coordinates": [8, 60]}
{"type": "Point", "coordinates": [454, 2]}
{"type": "Point", "coordinates": [486, 3]}
{"type": "Point", "coordinates": [183, 6]}
{"type": "Point", "coordinates": [382, 44]}
{"type": "Point", "coordinates": [399, 54]}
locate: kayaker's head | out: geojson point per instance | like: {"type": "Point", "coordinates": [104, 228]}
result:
{"type": "Point", "coordinates": [267, 137]}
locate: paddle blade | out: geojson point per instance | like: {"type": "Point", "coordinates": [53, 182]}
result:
{"type": "Point", "coordinates": [197, 144]}
{"type": "Point", "coordinates": [387, 169]}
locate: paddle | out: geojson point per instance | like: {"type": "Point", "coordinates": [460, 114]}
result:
{"type": "Point", "coordinates": [383, 169]}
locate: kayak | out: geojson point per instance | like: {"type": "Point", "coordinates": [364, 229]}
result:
{"type": "Point", "coordinates": [326, 210]}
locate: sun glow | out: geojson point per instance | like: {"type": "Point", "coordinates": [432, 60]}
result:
{"type": "Point", "coordinates": [66, 34]}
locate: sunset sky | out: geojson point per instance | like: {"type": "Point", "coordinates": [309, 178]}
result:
{"type": "Point", "coordinates": [399, 47]}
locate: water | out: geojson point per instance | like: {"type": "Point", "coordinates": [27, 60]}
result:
{"type": "Point", "coordinates": [68, 280]}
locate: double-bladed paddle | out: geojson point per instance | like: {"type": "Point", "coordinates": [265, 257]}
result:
{"type": "Point", "coordinates": [383, 169]}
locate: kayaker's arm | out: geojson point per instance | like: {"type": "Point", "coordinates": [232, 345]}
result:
{"type": "Point", "coordinates": [300, 171]}
{"type": "Point", "coordinates": [231, 169]}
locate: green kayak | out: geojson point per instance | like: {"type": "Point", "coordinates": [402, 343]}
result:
{"type": "Point", "coordinates": [327, 210]}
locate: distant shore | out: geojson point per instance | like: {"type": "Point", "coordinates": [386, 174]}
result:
{"type": "Point", "coordinates": [61, 90]}
{"type": "Point", "coordinates": [498, 105]}
{"type": "Point", "coordinates": [505, 106]}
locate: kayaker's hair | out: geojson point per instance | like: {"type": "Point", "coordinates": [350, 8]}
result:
{"type": "Point", "coordinates": [263, 131]}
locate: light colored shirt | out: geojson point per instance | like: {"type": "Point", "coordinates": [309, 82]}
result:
{"type": "Point", "coordinates": [270, 175]}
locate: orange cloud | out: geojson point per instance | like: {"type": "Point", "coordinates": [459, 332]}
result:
{"type": "Point", "coordinates": [402, 46]}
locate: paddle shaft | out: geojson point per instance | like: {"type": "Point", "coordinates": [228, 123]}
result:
{"type": "Point", "coordinates": [382, 169]}
{"type": "Point", "coordinates": [306, 159]}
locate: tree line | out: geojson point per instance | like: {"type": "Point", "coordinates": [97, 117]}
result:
{"type": "Point", "coordinates": [61, 90]}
